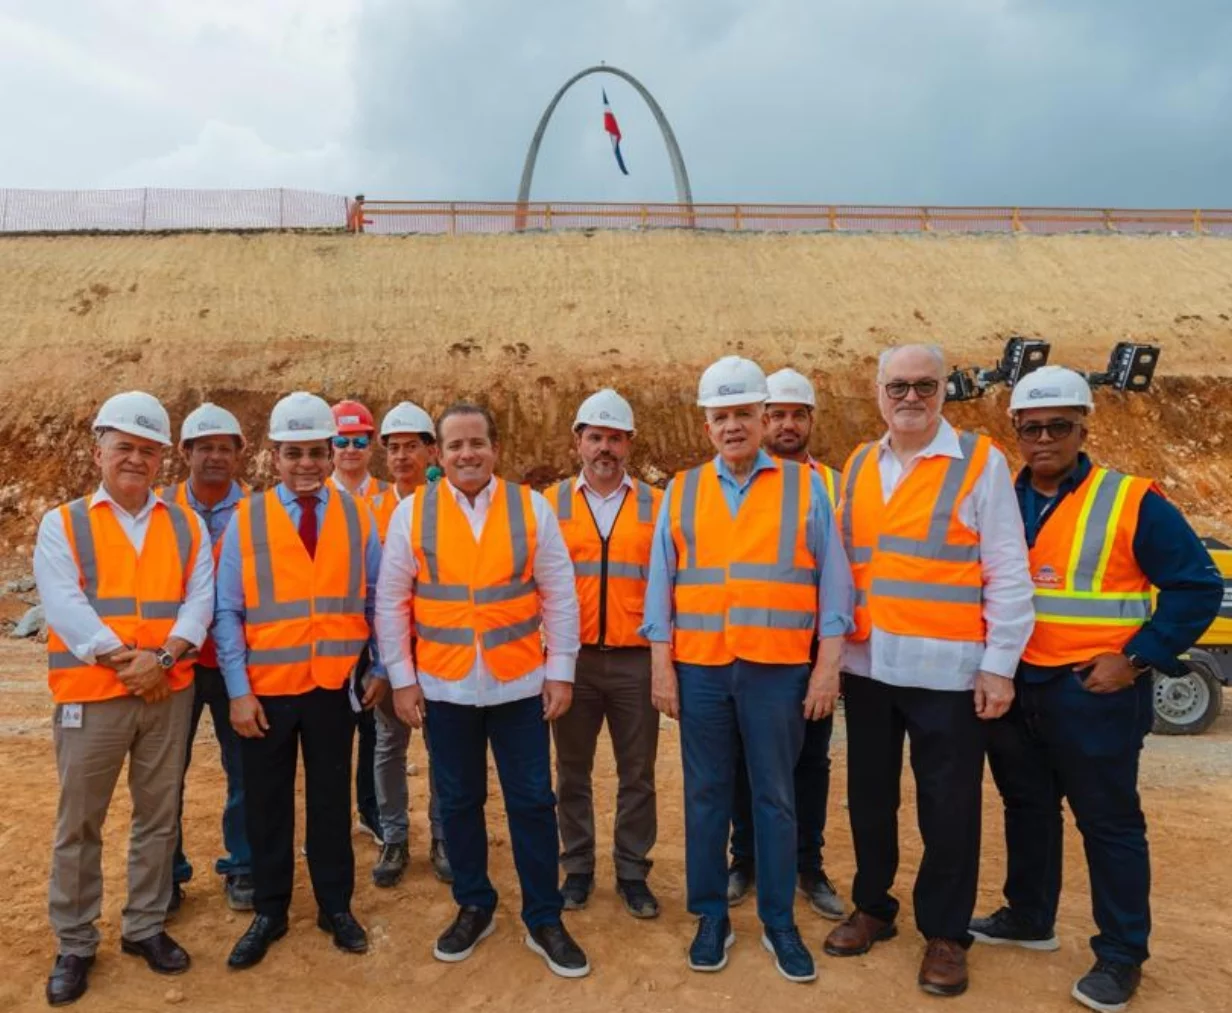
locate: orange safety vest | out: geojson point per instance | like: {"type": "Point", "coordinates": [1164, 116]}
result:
{"type": "Point", "coordinates": [1090, 594]}
{"type": "Point", "coordinates": [383, 505]}
{"type": "Point", "coordinates": [745, 586]}
{"type": "Point", "coordinates": [610, 572]}
{"type": "Point", "coordinates": [916, 566]}
{"type": "Point", "coordinates": [376, 486]}
{"type": "Point", "coordinates": [304, 616]}
{"type": "Point", "coordinates": [830, 479]}
{"type": "Point", "coordinates": [207, 656]}
{"type": "Point", "coordinates": [476, 595]}
{"type": "Point", "coordinates": [137, 597]}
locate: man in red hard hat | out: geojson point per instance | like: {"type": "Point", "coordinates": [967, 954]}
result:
{"type": "Point", "coordinates": [352, 456]}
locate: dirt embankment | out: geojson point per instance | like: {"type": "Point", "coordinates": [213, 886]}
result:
{"type": "Point", "coordinates": [533, 323]}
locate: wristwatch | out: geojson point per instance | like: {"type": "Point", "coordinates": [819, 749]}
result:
{"type": "Point", "coordinates": [1137, 662]}
{"type": "Point", "coordinates": [166, 660]}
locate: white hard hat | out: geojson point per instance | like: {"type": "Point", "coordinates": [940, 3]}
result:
{"type": "Point", "coordinates": [135, 413]}
{"type": "Point", "coordinates": [210, 420]}
{"type": "Point", "coordinates": [789, 387]}
{"type": "Point", "coordinates": [731, 381]}
{"type": "Point", "coordinates": [1051, 387]}
{"type": "Point", "coordinates": [407, 417]}
{"type": "Point", "coordinates": [301, 418]}
{"type": "Point", "coordinates": [605, 408]}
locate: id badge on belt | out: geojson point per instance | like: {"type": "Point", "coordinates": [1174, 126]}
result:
{"type": "Point", "coordinates": [70, 715]}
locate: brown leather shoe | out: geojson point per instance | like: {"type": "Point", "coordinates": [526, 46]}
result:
{"type": "Point", "coordinates": [944, 968]}
{"type": "Point", "coordinates": [857, 935]}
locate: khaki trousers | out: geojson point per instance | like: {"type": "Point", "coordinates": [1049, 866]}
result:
{"type": "Point", "coordinates": [152, 737]}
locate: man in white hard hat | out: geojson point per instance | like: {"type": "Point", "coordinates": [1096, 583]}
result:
{"type": "Point", "coordinates": [790, 405]}
{"type": "Point", "coordinates": [943, 611]}
{"type": "Point", "coordinates": [1099, 541]}
{"type": "Point", "coordinates": [212, 446]}
{"type": "Point", "coordinates": [607, 518]}
{"type": "Point", "coordinates": [746, 572]}
{"type": "Point", "coordinates": [128, 586]}
{"type": "Point", "coordinates": [296, 580]}
{"type": "Point", "coordinates": [478, 566]}
{"type": "Point", "coordinates": [409, 439]}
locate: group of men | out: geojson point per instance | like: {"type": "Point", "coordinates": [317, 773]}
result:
{"type": "Point", "coordinates": [945, 601]}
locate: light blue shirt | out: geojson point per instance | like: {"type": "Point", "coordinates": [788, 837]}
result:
{"type": "Point", "coordinates": [219, 515]}
{"type": "Point", "coordinates": [835, 591]}
{"type": "Point", "coordinates": [229, 611]}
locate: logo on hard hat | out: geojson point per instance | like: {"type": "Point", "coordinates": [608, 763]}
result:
{"type": "Point", "coordinates": [205, 425]}
{"type": "Point", "coordinates": [1040, 392]}
{"type": "Point", "coordinates": [348, 420]}
{"type": "Point", "coordinates": [296, 425]}
{"type": "Point", "coordinates": [605, 414]}
{"type": "Point", "coordinates": [732, 388]}
{"type": "Point", "coordinates": [145, 423]}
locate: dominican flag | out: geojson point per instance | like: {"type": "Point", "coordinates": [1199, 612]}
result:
{"type": "Point", "coordinates": [613, 130]}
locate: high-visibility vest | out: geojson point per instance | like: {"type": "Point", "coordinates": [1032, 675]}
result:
{"type": "Point", "coordinates": [376, 486]}
{"type": "Point", "coordinates": [745, 586]}
{"type": "Point", "coordinates": [915, 565]}
{"type": "Point", "coordinates": [1091, 596]}
{"type": "Point", "coordinates": [207, 656]}
{"type": "Point", "coordinates": [830, 479]}
{"type": "Point", "coordinates": [304, 616]}
{"type": "Point", "coordinates": [610, 572]}
{"type": "Point", "coordinates": [476, 595]}
{"type": "Point", "coordinates": [383, 505]}
{"type": "Point", "coordinates": [137, 597]}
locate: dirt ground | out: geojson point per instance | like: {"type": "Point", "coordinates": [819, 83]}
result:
{"type": "Point", "coordinates": [1187, 790]}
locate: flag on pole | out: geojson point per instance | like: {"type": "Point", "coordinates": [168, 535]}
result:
{"type": "Point", "coordinates": [613, 130]}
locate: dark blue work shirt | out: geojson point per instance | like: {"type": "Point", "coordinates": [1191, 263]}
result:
{"type": "Point", "coordinates": [1170, 554]}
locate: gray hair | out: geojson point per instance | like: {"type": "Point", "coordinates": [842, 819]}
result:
{"type": "Point", "coordinates": [934, 352]}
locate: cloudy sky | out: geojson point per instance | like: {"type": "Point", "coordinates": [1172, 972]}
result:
{"type": "Point", "coordinates": [1085, 102]}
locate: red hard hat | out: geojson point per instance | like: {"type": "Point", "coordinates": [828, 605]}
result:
{"type": "Point", "coordinates": [353, 417]}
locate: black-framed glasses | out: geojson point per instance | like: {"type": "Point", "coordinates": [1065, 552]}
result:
{"type": "Point", "coordinates": [896, 390]}
{"type": "Point", "coordinates": [358, 442]}
{"type": "Point", "coordinates": [1057, 429]}
{"type": "Point", "coordinates": [294, 453]}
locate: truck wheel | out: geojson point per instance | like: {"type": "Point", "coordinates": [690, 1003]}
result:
{"type": "Point", "coordinates": [1187, 704]}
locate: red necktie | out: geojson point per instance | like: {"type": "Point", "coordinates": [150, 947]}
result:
{"type": "Point", "coordinates": [308, 523]}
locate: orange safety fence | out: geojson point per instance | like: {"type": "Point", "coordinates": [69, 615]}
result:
{"type": "Point", "coordinates": [461, 217]}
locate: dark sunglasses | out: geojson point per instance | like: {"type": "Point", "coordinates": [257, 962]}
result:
{"type": "Point", "coordinates": [358, 442]}
{"type": "Point", "coordinates": [896, 390]}
{"type": "Point", "coordinates": [1057, 429]}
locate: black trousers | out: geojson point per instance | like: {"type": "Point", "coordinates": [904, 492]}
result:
{"type": "Point", "coordinates": [947, 759]}
{"type": "Point", "coordinates": [319, 724]}
{"type": "Point", "coordinates": [365, 767]}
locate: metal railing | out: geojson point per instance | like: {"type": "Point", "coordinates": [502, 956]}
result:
{"type": "Point", "coordinates": [461, 217]}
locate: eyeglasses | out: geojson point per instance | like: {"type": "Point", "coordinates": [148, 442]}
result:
{"type": "Point", "coordinates": [358, 442]}
{"type": "Point", "coordinates": [1057, 429]}
{"type": "Point", "coordinates": [299, 453]}
{"type": "Point", "coordinates": [896, 390]}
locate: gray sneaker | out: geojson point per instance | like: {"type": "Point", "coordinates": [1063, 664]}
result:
{"type": "Point", "coordinates": [239, 891]}
{"type": "Point", "coordinates": [822, 895]}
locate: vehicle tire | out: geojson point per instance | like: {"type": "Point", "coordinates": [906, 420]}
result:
{"type": "Point", "coordinates": [1187, 704]}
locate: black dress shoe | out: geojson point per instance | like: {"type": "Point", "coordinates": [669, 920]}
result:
{"type": "Point", "coordinates": [562, 955]}
{"type": "Point", "coordinates": [67, 981]}
{"type": "Point", "coordinates": [576, 890]}
{"type": "Point", "coordinates": [639, 900]}
{"type": "Point", "coordinates": [256, 941]}
{"type": "Point", "coordinates": [161, 952]}
{"type": "Point", "coordinates": [348, 934]}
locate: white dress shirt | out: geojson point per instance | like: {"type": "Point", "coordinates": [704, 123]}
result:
{"type": "Point", "coordinates": [395, 595]}
{"type": "Point", "coordinates": [604, 509]}
{"type": "Point", "coordinates": [69, 612]}
{"type": "Point", "coordinates": [1009, 612]}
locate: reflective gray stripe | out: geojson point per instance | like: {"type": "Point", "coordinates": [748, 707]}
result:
{"type": "Point", "coordinates": [59, 660]}
{"type": "Point", "coordinates": [688, 519]}
{"type": "Point", "coordinates": [919, 591]}
{"type": "Point", "coordinates": [774, 619]}
{"type": "Point", "coordinates": [699, 622]}
{"type": "Point", "coordinates": [504, 592]}
{"type": "Point", "coordinates": [83, 539]}
{"type": "Point", "coordinates": [338, 606]}
{"type": "Point", "coordinates": [181, 525]}
{"type": "Point", "coordinates": [860, 553]}
{"type": "Point", "coordinates": [631, 570]}
{"type": "Point", "coordinates": [443, 592]}
{"type": "Point", "coordinates": [774, 572]}
{"type": "Point", "coordinates": [943, 552]}
{"type": "Point", "coordinates": [427, 530]}
{"type": "Point", "coordinates": [695, 576]}
{"type": "Point", "coordinates": [508, 634]}
{"type": "Point", "coordinates": [1095, 535]}
{"type": "Point", "coordinates": [280, 655]}
{"type": "Point", "coordinates": [848, 498]}
{"type": "Point", "coordinates": [1128, 609]}
{"type": "Point", "coordinates": [455, 637]}
{"type": "Point", "coordinates": [934, 545]}
{"type": "Point", "coordinates": [517, 530]}
{"type": "Point", "coordinates": [112, 607]}
{"type": "Point", "coordinates": [645, 504]}
{"type": "Point", "coordinates": [355, 542]}
{"type": "Point", "coordinates": [564, 500]}
{"type": "Point", "coordinates": [861, 597]}
{"type": "Point", "coordinates": [340, 648]}
{"type": "Point", "coordinates": [169, 493]}
{"type": "Point", "coordinates": [789, 521]}
{"type": "Point", "coordinates": [160, 609]}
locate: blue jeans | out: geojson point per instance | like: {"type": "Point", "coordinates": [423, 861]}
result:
{"type": "Point", "coordinates": [210, 690]}
{"type": "Point", "coordinates": [720, 707]}
{"type": "Point", "coordinates": [520, 746]}
{"type": "Point", "coordinates": [1060, 741]}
